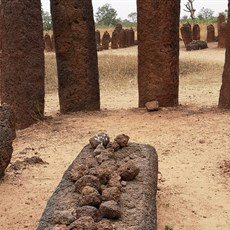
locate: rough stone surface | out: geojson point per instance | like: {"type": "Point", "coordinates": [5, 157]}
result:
{"type": "Point", "coordinates": [122, 39]}
{"type": "Point", "coordinates": [90, 196]}
{"type": "Point", "coordinates": [132, 37]}
{"type": "Point", "coordinates": [128, 171]}
{"type": "Point", "coordinates": [110, 210]}
{"type": "Point", "coordinates": [7, 135]}
{"type": "Point", "coordinates": [88, 211]}
{"type": "Point", "coordinates": [211, 33]}
{"type": "Point", "coordinates": [98, 37]}
{"type": "Point", "coordinates": [122, 140]}
{"type": "Point", "coordinates": [22, 72]}
{"type": "Point", "coordinates": [64, 217]}
{"type": "Point", "coordinates": [112, 193]}
{"type": "Point", "coordinates": [118, 27]}
{"type": "Point", "coordinates": [106, 40]}
{"type": "Point", "coordinates": [114, 40]}
{"type": "Point", "coordinates": [87, 180]}
{"type": "Point", "coordinates": [76, 54]}
{"type": "Point", "coordinates": [224, 99]}
{"type": "Point", "coordinates": [196, 32]}
{"type": "Point", "coordinates": [197, 45]}
{"type": "Point", "coordinates": [83, 223]}
{"type": "Point", "coordinates": [7, 117]}
{"type": "Point", "coordinates": [138, 197]}
{"type": "Point", "coordinates": [152, 106]}
{"type": "Point", "coordinates": [99, 139]}
{"type": "Point", "coordinates": [222, 35]}
{"type": "Point", "coordinates": [48, 43]}
{"type": "Point", "coordinates": [105, 225]}
{"type": "Point", "coordinates": [220, 20]}
{"type": "Point", "coordinates": [186, 33]}
{"type": "Point", "coordinates": [53, 43]}
{"type": "Point", "coordinates": [158, 51]}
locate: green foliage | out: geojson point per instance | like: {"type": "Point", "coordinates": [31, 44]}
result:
{"type": "Point", "coordinates": [132, 17]}
{"type": "Point", "coordinates": [168, 227]}
{"type": "Point", "coordinates": [205, 13]}
{"type": "Point", "coordinates": [47, 21]}
{"type": "Point", "coordinates": [106, 15]}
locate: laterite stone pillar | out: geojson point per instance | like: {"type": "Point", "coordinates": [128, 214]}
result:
{"type": "Point", "coordinates": [158, 51]}
{"type": "Point", "coordinates": [22, 72]}
{"type": "Point", "coordinates": [224, 99]}
{"type": "Point", "coordinates": [76, 53]}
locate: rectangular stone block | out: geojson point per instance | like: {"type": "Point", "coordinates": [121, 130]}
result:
{"type": "Point", "coordinates": [138, 197]}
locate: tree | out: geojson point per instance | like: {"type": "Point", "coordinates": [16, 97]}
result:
{"type": "Point", "coordinates": [132, 17]}
{"type": "Point", "coordinates": [47, 21]}
{"type": "Point", "coordinates": [106, 15]}
{"type": "Point", "coordinates": [205, 13]}
{"type": "Point", "coordinates": [190, 9]}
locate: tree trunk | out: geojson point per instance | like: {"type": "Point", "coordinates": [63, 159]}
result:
{"type": "Point", "coordinates": [224, 99]}
{"type": "Point", "coordinates": [158, 51]}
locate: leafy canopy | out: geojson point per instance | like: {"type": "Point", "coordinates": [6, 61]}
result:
{"type": "Point", "coordinates": [106, 15]}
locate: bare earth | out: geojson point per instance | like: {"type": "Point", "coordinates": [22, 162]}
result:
{"type": "Point", "coordinates": [192, 142]}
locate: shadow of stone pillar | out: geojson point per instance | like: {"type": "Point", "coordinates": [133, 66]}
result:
{"type": "Point", "coordinates": [22, 72]}
{"type": "Point", "coordinates": [158, 51]}
{"type": "Point", "coordinates": [76, 53]}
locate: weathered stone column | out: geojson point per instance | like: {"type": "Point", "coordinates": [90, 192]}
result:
{"type": "Point", "coordinates": [196, 32]}
{"type": "Point", "coordinates": [222, 35]}
{"type": "Point", "coordinates": [186, 33]}
{"type": "Point", "coordinates": [7, 135]}
{"type": "Point", "coordinates": [76, 53]}
{"type": "Point", "coordinates": [22, 73]}
{"type": "Point", "coordinates": [211, 33]}
{"type": "Point", "coordinates": [224, 99]}
{"type": "Point", "coordinates": [158, 51]}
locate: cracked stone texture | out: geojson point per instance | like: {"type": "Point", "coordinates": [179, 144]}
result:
{"type": "Point", "coordinates": [22, 72]}
{"type": "Point", "coordinates": [158, 51]}
{"type": "Point", "coordinates": [141, 192]}
{"type": "Point", "coordinates": [76, 54]}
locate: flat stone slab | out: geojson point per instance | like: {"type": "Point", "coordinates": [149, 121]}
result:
{"type": "Point", "coordinates": [137, 199]}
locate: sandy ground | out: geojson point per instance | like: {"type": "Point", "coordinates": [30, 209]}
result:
{"type": "Point", "coordinates": [192, 142]}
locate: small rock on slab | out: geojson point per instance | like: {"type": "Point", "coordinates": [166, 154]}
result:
{"type": "Point", "coordinates": [122, 140]}
{"type": "Point", "coordinates": [110, 210]}
{"type": "Point", "coordinates": [152, 106]}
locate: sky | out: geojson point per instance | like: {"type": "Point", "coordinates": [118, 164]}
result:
{"type": "Point", "coordinates": [125, 7]}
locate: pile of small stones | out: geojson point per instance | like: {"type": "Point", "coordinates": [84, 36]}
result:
{"type": "Point", "coordinates": [99, 187]}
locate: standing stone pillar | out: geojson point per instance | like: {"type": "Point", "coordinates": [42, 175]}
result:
{"type": "Point", "coordinates": [220, 20]}
{"type": "Point", "coordinates": [211, 33]}
{"type": "Point", "coordinates": [222, 35]}
{"type": "Point", "coordinates": [48, 43]}
{"type": "Point", "coordinates": [158, 51]}
{"type": "Point", "coordinates": [186, 33]}
{"type": "Point", "coordinates": [22, 72]}
{"type": "Point", "coordinates": [76, 53]}
{"type": "Point", "coordinates": [224, 99]}
{"type": "Point", "coordinates": [196, 32]}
